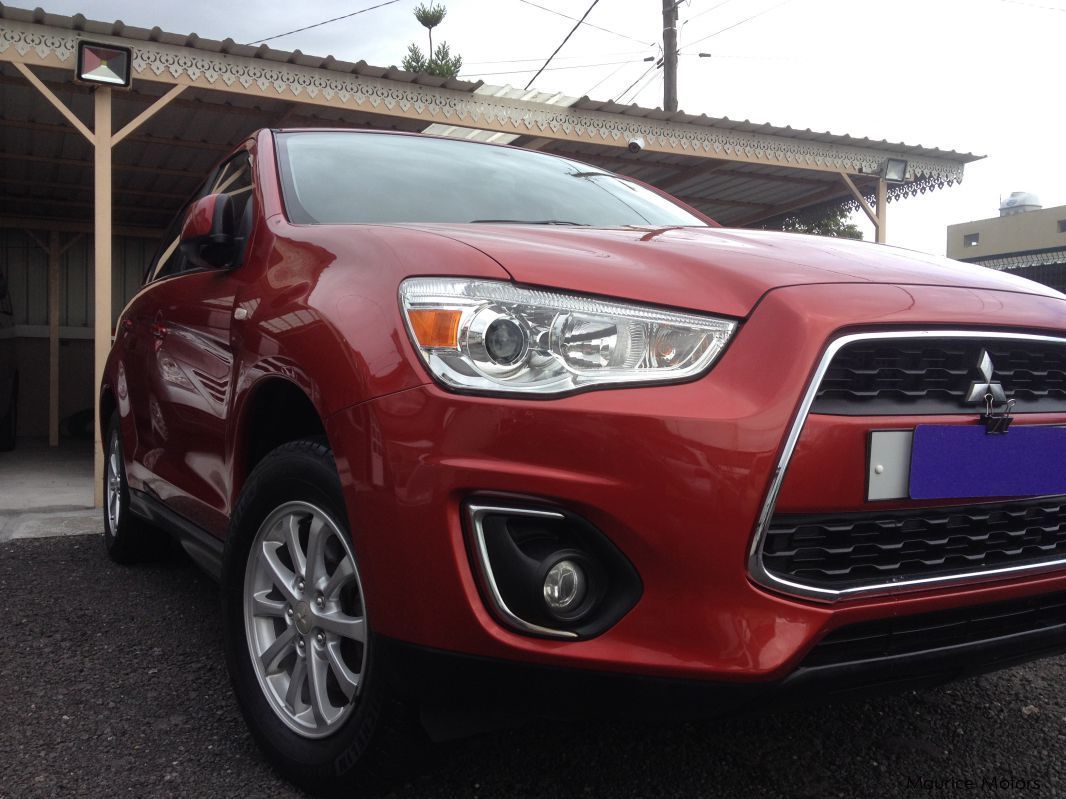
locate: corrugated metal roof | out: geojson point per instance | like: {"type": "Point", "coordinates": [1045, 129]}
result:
{"type": "Point", "coordinates": [610, 107]}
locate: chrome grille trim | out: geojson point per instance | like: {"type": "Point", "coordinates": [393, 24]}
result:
{"type": "Point", "coordinates": [756, 568]}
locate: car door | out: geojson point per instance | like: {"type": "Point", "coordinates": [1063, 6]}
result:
{"type": "Point", "coordinates": [189, 369]}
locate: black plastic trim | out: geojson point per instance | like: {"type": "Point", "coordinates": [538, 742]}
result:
{"type": "Point", "coordinates": [457, 686]}
{"type": "Point", "coordinates": [204, 548]}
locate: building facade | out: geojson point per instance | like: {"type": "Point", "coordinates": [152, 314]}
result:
{"type": "Point", "coordinates": [1025, 238]}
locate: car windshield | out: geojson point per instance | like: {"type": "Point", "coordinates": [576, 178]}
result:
{"type": "Point", "coordinates": [342, 177]}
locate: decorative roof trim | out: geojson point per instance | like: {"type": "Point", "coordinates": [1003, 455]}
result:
{"type": "Point", "coordinates": [278, 79]}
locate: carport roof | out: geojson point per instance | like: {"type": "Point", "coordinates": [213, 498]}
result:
{"type": "Point", "coordinates": [736, 171]}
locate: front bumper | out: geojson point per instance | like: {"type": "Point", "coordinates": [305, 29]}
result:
{"type": "Point", "coordinates": [675, 476]}
{"type": "Point", "coordinates": [882, 657]}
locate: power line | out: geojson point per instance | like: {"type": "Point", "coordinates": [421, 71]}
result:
{"type": "Point", "coordinates": [604, 79]}
{"type": "Point", "coordinates": [563, 42]}
{"type": "Point", "coordinates": [324, 22]}
{"type": "Point", "coordinates": [715, 7]}
{"type": "Point", "coordinates": [1033, 5]}
{"type": "Point", "coordinates": [738, 24]}
{"type": "Point", "coordinates": [587, 24]}
{"type": "Point", "coordinates": [652, 81]}
{"type": "Point", "coordinates": [549, 69]}
{"type": "Point", "coordinates": [634, 83]}
{"type": "Point", "coordinates": [539, 58]}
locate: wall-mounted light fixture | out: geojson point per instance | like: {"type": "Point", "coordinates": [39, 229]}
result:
{"type": "Point", "coordinates": [104, 64]}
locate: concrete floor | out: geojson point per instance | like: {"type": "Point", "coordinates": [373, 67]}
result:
{"type": "Point", "coordinates": [46, 491]}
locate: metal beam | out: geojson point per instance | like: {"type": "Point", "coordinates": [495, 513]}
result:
{"type": "Point", "coordinates": [825, 195]}
{"type": "Point", "coordinates": [140, 138]}
{"type": "Point", "coordinates": [48, 184]}
{"type": "Point", "coordinates": [686, 174]}
{"type": "Point", "coordinates": [22, 199]}
{"type": "Point", "coordinates": [67, 226]}
{"type": "Point", "coordinates": [86, 162]}
{"type": "Point", "coordinates": [720, 201]}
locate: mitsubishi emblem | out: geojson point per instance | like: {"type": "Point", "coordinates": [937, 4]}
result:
{"type": "Point", "coordinates": [980, 392]}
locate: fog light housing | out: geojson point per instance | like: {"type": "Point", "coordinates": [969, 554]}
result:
{"type": "Point", "coordinates": [546, 571]}
{"type": "Point", "coordinates": [565, 588]}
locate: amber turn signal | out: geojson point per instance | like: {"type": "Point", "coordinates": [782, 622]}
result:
{"type": "Point", "coordinates": [435, 327]}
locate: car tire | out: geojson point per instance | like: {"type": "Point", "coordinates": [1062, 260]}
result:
{"type": "Point", "coordinates": [9, 422]}
{"type": "Point", "coordinates": [316, 698]}
{"type": "Point", "coordinates": [127, 537]}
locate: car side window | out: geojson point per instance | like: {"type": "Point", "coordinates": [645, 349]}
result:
{"type": "Point", "coordinates": [233, 178]}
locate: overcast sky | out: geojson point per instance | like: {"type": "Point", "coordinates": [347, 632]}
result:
{"type": "Point", "coordinates": [981, 76]}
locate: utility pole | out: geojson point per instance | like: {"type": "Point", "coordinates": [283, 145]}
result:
{"type": "Point", "coordinates": [670, 54]}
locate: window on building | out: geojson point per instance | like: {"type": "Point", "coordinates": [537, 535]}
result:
{"type": "Point", "coordinates": [971, 239]}
{"type": "Point", "coordinates": [1062, 226]}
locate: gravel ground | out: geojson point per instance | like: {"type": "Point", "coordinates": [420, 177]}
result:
{"type": "Point", "coordinates": [112, 683]}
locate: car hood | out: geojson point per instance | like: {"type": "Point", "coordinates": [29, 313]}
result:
{"type": "Point", "coordinates": [718, 270]}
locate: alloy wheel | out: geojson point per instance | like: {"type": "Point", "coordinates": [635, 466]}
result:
{"type": "Point", "coordinates": [114, 482]}
{"type": "Point", "coordinates": [305, 620]}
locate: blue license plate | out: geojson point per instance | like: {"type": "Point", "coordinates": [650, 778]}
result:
{"type": "Point", "coordinates": [963, 461]}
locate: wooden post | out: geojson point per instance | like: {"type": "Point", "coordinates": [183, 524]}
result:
{"type": "Point", "coordinates": [53, 338]}
{"type": "Point", "coordinates": [101, 265]}
{"type": "Point", "coordinates": [882, 210]}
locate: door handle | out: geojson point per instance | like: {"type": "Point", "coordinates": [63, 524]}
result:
{"type": "Point", "coordinates": [159, 330]}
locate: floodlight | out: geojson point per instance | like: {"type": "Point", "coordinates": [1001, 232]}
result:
{"type": "Point", "coordinates": [104, 64]}
{"type": "Point", "coordinates": [894, 170]}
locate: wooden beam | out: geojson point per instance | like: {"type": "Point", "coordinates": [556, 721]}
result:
{"type": "Point", "coordinates": [54, 253]}
{"type": "Point", "coordinates": [102, 121]}
{"type": "Point", "coordinates": [60, 106]}
{"type": "Point", "coordinates": [147, 113]}
{"type": "Point", "coordinates": [882, 211]}
{"type": "Point", "coordinates": [859, 198]}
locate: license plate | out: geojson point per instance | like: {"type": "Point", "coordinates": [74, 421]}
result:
{"type": "Point", "coordinates": [964, 461]}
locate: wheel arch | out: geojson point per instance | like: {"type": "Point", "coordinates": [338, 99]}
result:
{"type": "Point", "coordinates": [273, 412]}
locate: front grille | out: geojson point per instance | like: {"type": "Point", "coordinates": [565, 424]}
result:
{"type": "Point", "coordinates": [838, 551]}
{"type": "Point", "coordinates": [934, 375]}
{"type": "Point", "coordinates": [929, 631]}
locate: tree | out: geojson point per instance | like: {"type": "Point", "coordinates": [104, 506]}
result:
{"type": "Point", "coordinates": [823, 220]}
{"type": "Point", "coordinates": [440, 61]}
{"type": "Point", "coordinates": [430, 17]}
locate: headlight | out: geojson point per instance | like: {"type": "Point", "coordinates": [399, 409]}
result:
{"type": "Point", "coordinates": [492, 336]}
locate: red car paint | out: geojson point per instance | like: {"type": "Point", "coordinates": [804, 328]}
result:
{"type": "Point", "coordinates": [674, 475]}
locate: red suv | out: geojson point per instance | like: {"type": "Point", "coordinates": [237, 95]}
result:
{"type": "Point", "coordinates": [460, 425]}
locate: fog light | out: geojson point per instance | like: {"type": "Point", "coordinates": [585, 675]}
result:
{"type": "Point", "coordinates": [565, 587]}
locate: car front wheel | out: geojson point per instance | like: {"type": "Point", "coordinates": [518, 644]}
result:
{"type": "Point", "coordinates": [308, 677]}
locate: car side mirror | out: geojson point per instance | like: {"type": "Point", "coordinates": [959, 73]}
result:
{"type": "Point", "coordinates": [209, 235]}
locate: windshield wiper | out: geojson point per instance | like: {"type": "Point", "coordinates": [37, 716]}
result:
{"type": "Point", "coordinates": [528, 222]}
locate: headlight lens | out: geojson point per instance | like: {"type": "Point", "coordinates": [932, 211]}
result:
{"type": "Point", "coordinates": [492, 336]}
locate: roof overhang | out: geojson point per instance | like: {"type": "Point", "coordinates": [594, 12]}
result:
{"type": "Point", "coordinates": [738, 172]}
